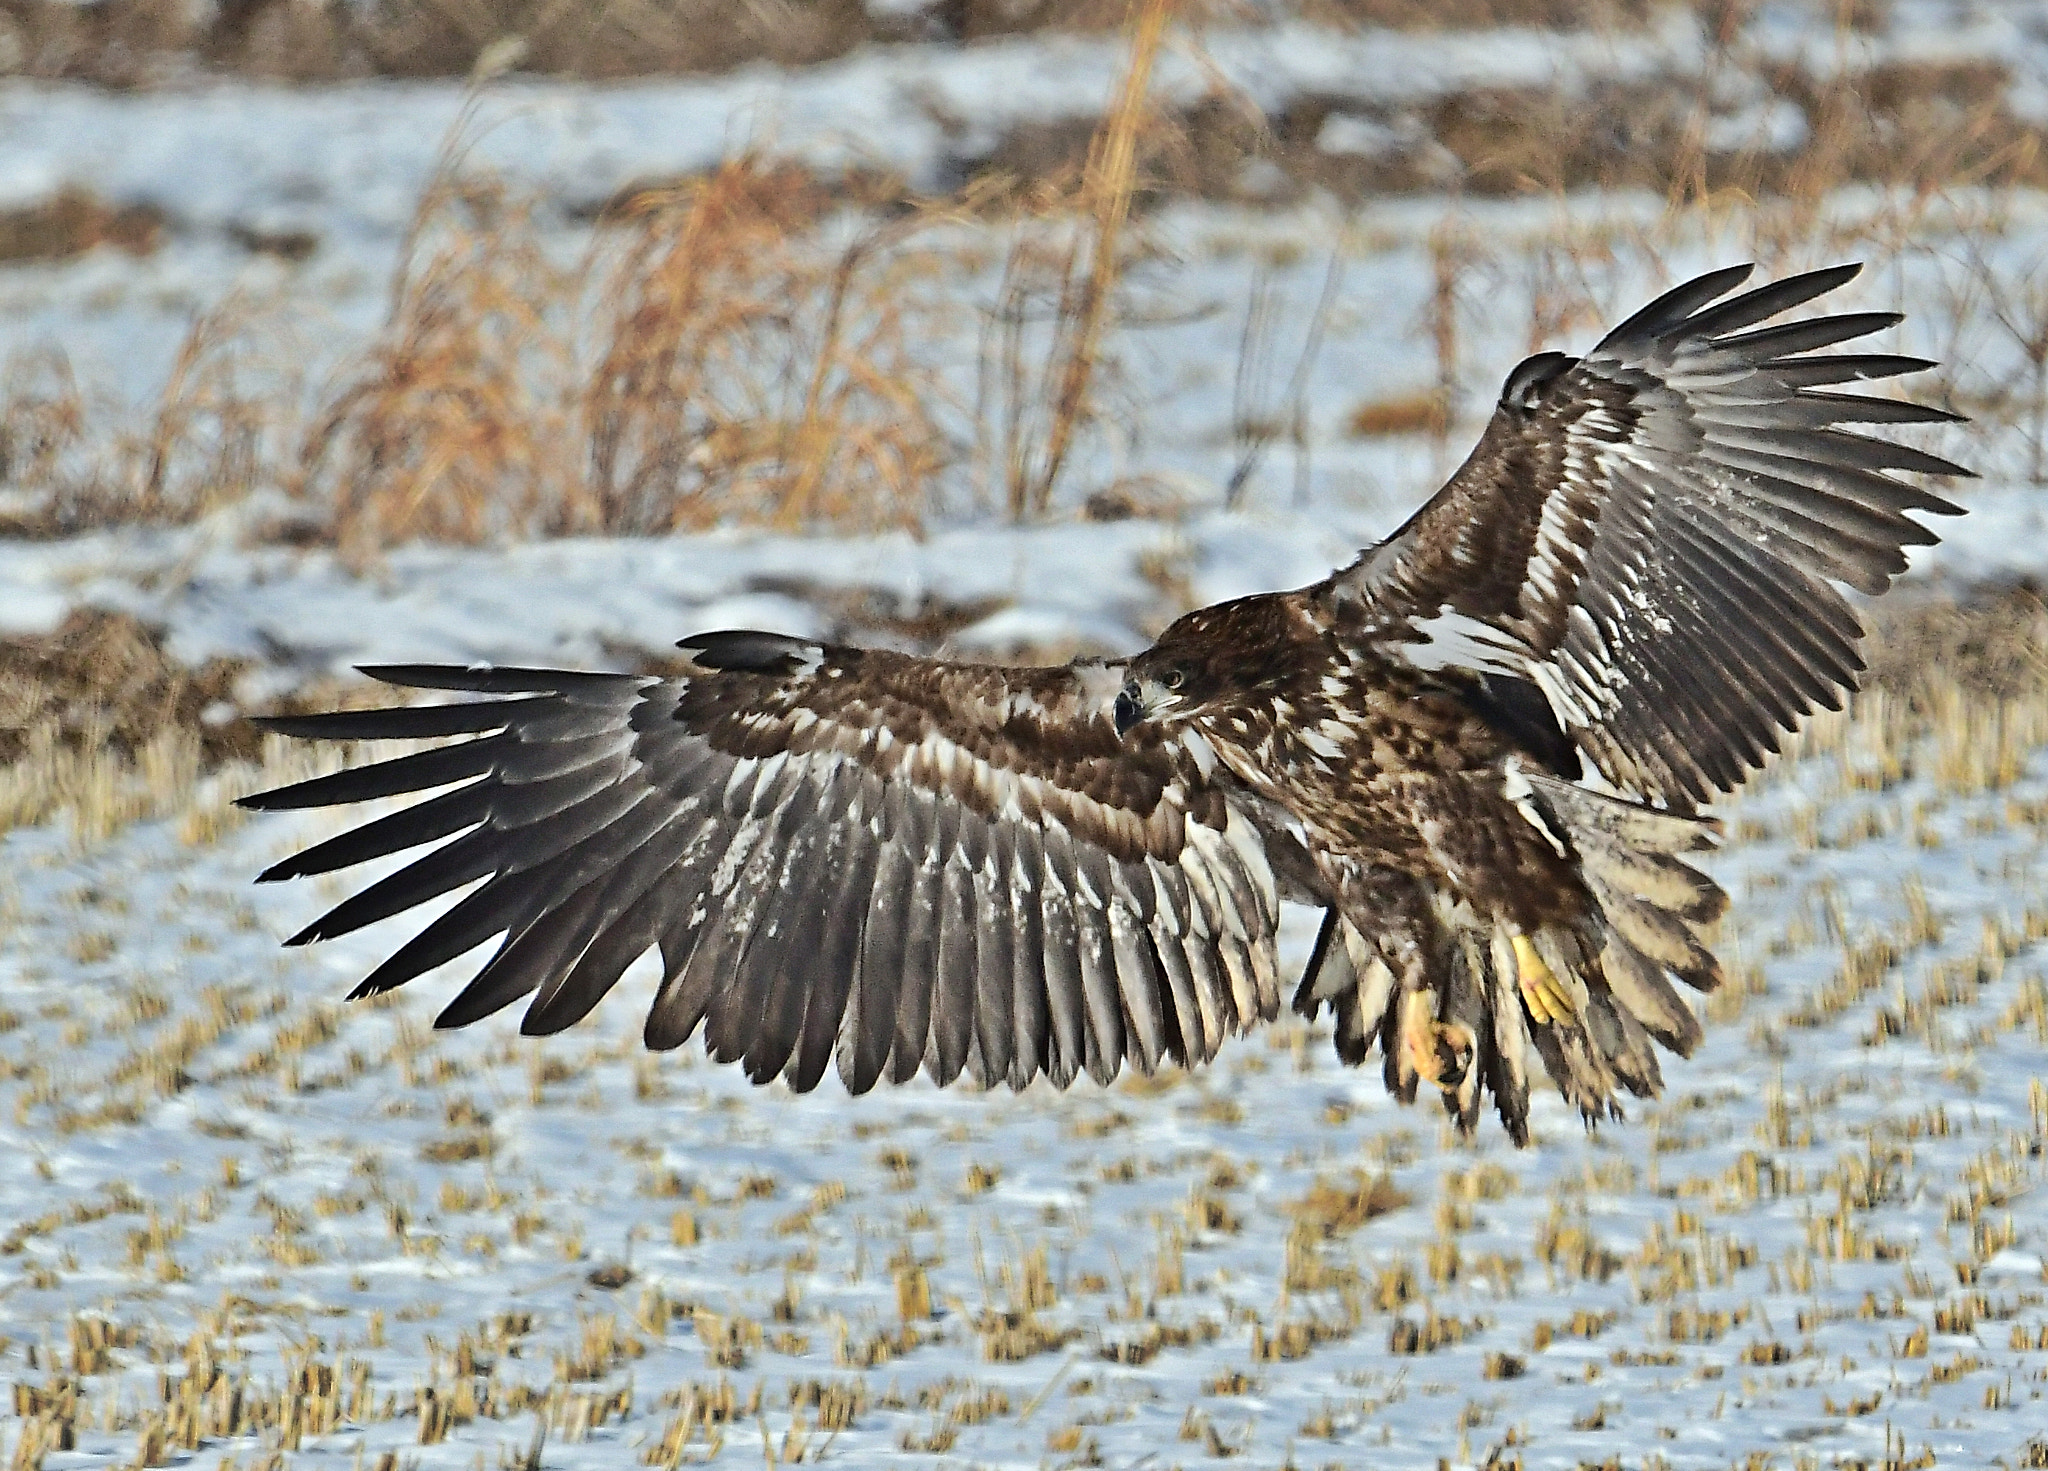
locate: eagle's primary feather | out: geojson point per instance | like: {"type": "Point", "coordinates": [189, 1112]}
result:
{"type": "Point", "coordinates": [854, 856]}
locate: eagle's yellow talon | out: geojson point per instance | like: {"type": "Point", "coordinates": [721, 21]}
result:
{"type": "Point", "coordinates": [1456, 1047]}
{"type": "Point", "coordinates": [1439, 1052]}
{"type": "Point", "coordinates": [1542, 992]}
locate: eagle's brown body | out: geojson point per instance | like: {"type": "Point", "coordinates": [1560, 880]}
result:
{"type": "Point", "coordinates": [899, 864]}
{"type": "Point", "coordinates": [1384, 767]}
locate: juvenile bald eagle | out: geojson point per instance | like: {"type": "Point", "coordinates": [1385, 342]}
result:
{"type": "Point", "coordinates": [901, 863]}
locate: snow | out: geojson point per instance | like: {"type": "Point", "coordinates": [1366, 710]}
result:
{"type": "Point", "coordinates": [337, 1117]}
{"type": "Point", "coordinates": [584, 600]}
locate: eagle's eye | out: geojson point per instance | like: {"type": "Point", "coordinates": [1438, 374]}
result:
{"type": "Point", "coordinates": [1173, 679]}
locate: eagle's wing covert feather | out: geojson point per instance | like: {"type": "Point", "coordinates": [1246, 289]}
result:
{"type": "Point", "coordinates": [839, 853]}
{"type": "Point", "coordinates": [1649, 533]}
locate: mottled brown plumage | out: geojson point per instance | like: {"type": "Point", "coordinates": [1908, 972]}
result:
{"type": "Point", "coordinates": [897, 863]}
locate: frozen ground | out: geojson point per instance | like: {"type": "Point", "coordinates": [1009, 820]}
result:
{"type": "Point", "coordinates": [268, 1220]}
{"type": "Point", "coordinates": [239, 1212]}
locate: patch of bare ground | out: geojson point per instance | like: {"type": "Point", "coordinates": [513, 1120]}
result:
{"type": "Point", "coordinates": [103, 680]}
{"type": "Point", "coordinates": [101, 726]}
{"type": "Point", "coordinates": [1472, 15]}
{"type": "Point", "coordinates": [1989, 643]}
{"type": "Point", "coordinates": [73, 221]}
{"type": "Point", "coordinates": [868, 616]}
{"type": "Point", "coordinates": [1918, 124]}
{"type": "Point", "coordinates": [1956, 687]}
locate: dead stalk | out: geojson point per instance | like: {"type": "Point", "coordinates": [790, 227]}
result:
{"type": "Point", "coordinates": [1256, 429]}
{"type": "Point", "coordinates": [1084, 306]}
{"type": "Point", "coordinates": [1449, 255]}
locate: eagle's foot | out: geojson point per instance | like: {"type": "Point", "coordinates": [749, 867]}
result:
{"type": "Point", "coordinates": [1542, 992]}
{"type": "Point", "coordinates": [1439, 1052]}
{"type": "Point", "coordinates": [1456, 1047]}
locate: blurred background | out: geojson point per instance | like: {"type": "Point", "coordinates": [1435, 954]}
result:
{"type": "Point", "coordinates": [376, 272]}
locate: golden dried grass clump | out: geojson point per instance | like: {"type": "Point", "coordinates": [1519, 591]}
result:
{"type": "Point", "coordinates": [711, 359]}
{"type": "Point", "coordinates": [42, 420]}
{"type": "Point", "coordinates": [211, 440]}
{"type": "Point", "coordinates": [208, 441]}
{"type": "Point", "coordinates": [748, 372]}
{"type": "Point", "coordinates": [456, 426]}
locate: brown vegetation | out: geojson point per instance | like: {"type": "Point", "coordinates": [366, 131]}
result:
{"type": "Point", "coordinates": [716, 355]}
{"type": "Point", "coordinates": [103, 681]}
{"type": "Point", "coordinates": [711, 358]}
{"type": "Point", "coordinates": [101, 727]}
{"type": "Point", "coordinates": [129, 43]}
{"type": "Point", "coordinates": [71, 222]}
{"type": "Point", "coordinates": [1409, 413]}
{"type": "Point", "coordinates": [1992, 643]}
{"type": "Point", "coordinates": [1922, 125]}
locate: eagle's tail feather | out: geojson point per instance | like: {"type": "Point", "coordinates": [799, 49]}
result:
{"type": "Point", "coordinates": [1591, 998]}
{"type": "Point", "coordinates": [1347, 972]}
{"type": "Point", "coordinates": [1654, 911]}
{"type": "Point", "coordinates": [1505, 1058]}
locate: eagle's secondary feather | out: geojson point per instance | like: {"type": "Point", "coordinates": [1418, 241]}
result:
{"type": "Point", "coordinates": [890, 864]}
{"type": "Point", "coordinates": [839, 853]}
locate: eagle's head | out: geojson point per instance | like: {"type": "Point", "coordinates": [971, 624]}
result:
{"type": "Point", "coordinates": [1211, 657]}
{"type": "Point", "coordinates": [1150, 692]}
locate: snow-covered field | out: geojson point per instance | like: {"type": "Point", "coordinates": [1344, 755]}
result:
{"type": "Point", "coordinates": [252, 1217]}
{"type": "Point", "coordinates": [244, 1225]}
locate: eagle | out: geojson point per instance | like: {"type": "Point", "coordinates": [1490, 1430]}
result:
{"type": "Point", "coordinates": [1482, 749]}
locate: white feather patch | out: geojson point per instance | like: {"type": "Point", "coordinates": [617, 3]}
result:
{"type": "Point", "coordinates": [1515, 785]}
{"type": "Point", "coordinates": [1312, 736]}
{"type": "Point", "coordinates": [1454, 640]}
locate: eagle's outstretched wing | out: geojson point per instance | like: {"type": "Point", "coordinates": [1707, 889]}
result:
{"type": "Point", "coordinates": [1648, 533]}
{"type": "Point", "coordinates": [838, 852]}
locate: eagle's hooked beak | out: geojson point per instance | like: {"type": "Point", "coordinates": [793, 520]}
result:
{"type": "Point", "coordinates": [1128, 709]}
